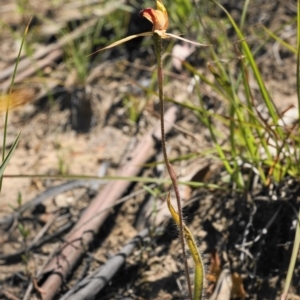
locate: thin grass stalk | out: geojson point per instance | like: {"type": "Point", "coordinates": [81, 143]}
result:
{"type": "Point", "coordinates": [10, 90]}
{"type": "Point", "coordinates": [158, 49]}
{"type": "Point", "coordinates": [235, 110]}
{"type": "Point", "coordinates": [295, 251]}
{"type": "Point", "coordinates": [232, 144]}
{"type": "Point", "coordinates": [209, 38]}
{"type": "Point", "coordinates": [193, 184]}
{"type": "Point", "coordinates": [9, 155]}
{"type": "Point", "coordinates": [298, 60]}
{"type": "Point", "coordinates": [298, 75]}
{"type": "Point", "coordinates": [253, 118]}
{"type": "Point", "coordinates": [243, 17]}
{"type": "Point", "coordinates": [279, 40]}
{"type": "Point", "coordinates": [204, 116]}
{"type": "Point", "coordinates": [204, 79]}
{"type": "Point", "coordinates": [231, 96]}
{"type": "Point", "coordinates": [9, 97]}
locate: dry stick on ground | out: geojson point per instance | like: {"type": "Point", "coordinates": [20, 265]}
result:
{"type": "Point", "coordinates": [30, 286]}
{"type": "Point", "coordinates": [33, 282]}
{"type": "Point", "coordinates": [37, 65]}
{"type": "Point", "coordinates": [53, 191]}
{"type": "Point", "coordinates": [28, 65]}
{"type": "Point", "coordinates": [9, 295]}
{"type": "Point", "coordinates": [90, 286]}
{"type": "Point", "coordinates": [91, 220]}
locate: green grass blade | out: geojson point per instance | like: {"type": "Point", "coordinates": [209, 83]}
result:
{"type": "Point", "coordinates": [243, 18]}
{"type": "Point", "coordinates": [194, 184]}
{"type": "Point", "coordinates": [298, 58]}
{"type": "Point", "coordinates": [279, 40]}
{"type": "Point", "coordinates": [8, 100]}
{"type": "Point", "coordinates": [10, 89]}
{"type": "Point", "coordinates": [204, 116]}
{"type": "Point", "coordinates": [9, 155]}
{"type": "Point", "coordinates": [293, 260]}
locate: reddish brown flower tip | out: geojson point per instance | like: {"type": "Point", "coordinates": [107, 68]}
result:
{"type": "Point", "coordinates": [158, 17]}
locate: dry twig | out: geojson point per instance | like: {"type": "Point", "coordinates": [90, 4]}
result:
{"type": "Point", "coordinates": [91, 220]}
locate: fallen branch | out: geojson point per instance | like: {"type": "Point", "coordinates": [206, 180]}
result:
{"type": "Point", "coordinates": [90, 286]}
{"type": "Point", "coordinates": [91, 220]}
{"type": "Point", "coordinates": [8, 221]}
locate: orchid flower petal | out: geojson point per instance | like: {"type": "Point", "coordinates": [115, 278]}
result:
{"type": "Point", "coordinates": [158, 17]}
{"type": "Point", "coordinates": [160, 6]}
{"type": "Point", "coordinates": [186, 40]}
{"type": "Point", "coordinates": [122, 41]}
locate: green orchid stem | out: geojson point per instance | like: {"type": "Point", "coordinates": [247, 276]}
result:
{"type": "Point", "coordinates": [158, 50]}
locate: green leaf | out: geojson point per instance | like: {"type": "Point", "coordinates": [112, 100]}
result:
{"type": "Point", "coordinates": [9, 155]}
{"type": "Point", "coordinates": [291, 269]}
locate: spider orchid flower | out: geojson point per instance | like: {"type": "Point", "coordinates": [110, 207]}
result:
{"type": "Point", "coordinates": [159, 18]}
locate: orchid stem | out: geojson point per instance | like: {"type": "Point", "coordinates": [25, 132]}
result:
{"type": "Point", "coordinates": [158, 50]}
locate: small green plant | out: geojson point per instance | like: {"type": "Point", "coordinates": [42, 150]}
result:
{"type": "Point", "coordinates": [134, 107]}
{"type": "Point", "coordinates": [19, 203]}
{"type": "Point", "coordinates": [76, 53]}
{"type": "Point", "coordinates": [23, 231]}
{"type": "Point", "coordinates": [19, 200]}
{"type": "Point", "coordinates": [24, 234]}
{"type": "Point", "coordinates": [62, 166]}
{"type": "Point", "coordinates": [22, 6]}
